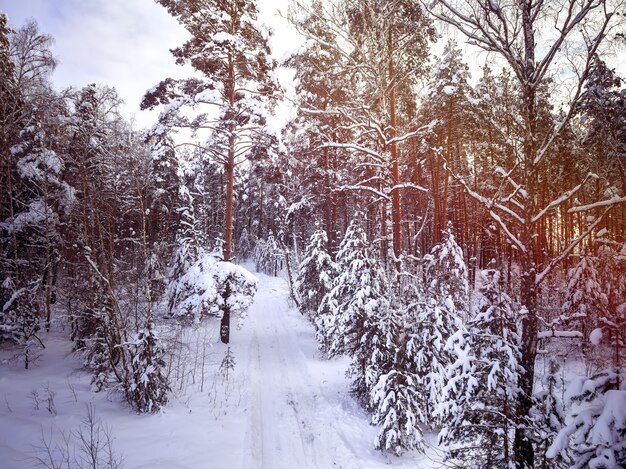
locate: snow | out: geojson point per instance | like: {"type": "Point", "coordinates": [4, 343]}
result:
{"type": "Point", "coordinates": [596, 336]}
{"type": "Point", "coordinates": [449, 89]}
{"type": "Point", "coordinates": [613, 417]}
{"type": "Point", "coordinates": [208, 96]}
{"type": "Point", "coordinates": [283, 406]}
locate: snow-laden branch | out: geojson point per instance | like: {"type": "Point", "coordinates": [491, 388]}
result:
{"type": "Point", "coordinates": [416, 133]}
{"type": "Point", "coordinates": [540, 277]}
{"type": "Point", "coordinates": [559, 334]}
{"type": "Point", "coordinates": [357, 187]}
{"type": "Point", "coordinates": [562, 198]}
{"type": "Point", "coordinates": [616, 199]}
{"type": "Point", "coordinates": [505, 228]}
{"type": "Point", "coordinates": [407, 185]}
{"type": "Point", "coordinates": [355, 147]}
{"type": "Point", "coordinates": [488, 203]}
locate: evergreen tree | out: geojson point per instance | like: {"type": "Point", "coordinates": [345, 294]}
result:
{"type": "Point", "coordinates": [435, 316]}
{"type": "Point", "coordinates": [315, 274]}
{"type": "Point", "coordinates": [146, 387]}
{"type": "Point", "coordinates": [446, 276]}
{"type": "Point", "coordinates": [357, 292]}
{"type": "Point", "coordinates": [229, 50]}
{"type": "Point", "coordinates": [596, 434]}
{"type": "Point", "coordinates": [585, 300]}
{"type": "Point", "coordinates": [478, 408]}
{"type": "Point", "coordinates": [450, 117]}
{"type": "Point", "coordinates": [393, 386]}
{"type": "Point", "coordinates": [398, 412]}
{"type": "Point", "coordinates": [548, 416]}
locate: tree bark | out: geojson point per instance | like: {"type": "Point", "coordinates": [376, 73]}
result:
{"type": "Point", "coordinates": [396, 208]}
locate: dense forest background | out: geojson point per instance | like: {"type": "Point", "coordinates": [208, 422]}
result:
{"type": "Point", "coordinates": [461, 238]}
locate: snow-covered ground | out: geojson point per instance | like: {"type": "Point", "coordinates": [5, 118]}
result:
{"type": "Point", "coordinates": [282, 406]}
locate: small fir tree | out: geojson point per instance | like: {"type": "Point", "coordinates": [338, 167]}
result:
{"type": "Point", "coordinates": [585, 299]}
{"type": "Point", "coordinates": [358, 291]}
{"type": "Point", "coordinates": [480, 396]}
{"type": "Point", "coordinates": [315, 274]}
{"type": "Point", "coordinates": [146, 387]}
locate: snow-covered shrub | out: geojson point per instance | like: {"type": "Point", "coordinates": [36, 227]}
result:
{"type": "Point", "coordinates": [19, 318]}
{"type": "Point", "coordinates": [145, 385]}
{"type": "Point", "coordinates": [269, 258]}
{"type": "Point", "coordinates": [315, 274]}
{"type": "Point", "coordinates": [200, 291]}
{"type": "Point", "coordinates": [479, 400]}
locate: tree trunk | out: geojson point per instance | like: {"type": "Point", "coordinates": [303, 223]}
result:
{"type": "Point", "coordinates": [396, 209]}
{"type": "Point", "coordinates": [229, 169]}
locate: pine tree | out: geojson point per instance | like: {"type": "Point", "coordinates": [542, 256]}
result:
{"type": "Point", "coordinates": [596, 434]}
{"type": "Point", "coordinates": [446, 276]}
{"type": "Point", "coordinates": [358, 290]}
{"type": "Point", "coordinates": [479, 399]}
{"type": "Point", "coordinates": [146, 387]}
{"type": "Point", "coordinates": [229, 50]}
{"type": "Point", "coordinates": [392, 385]}
{"type": "Point", "coordinates": [436, 316]}
{"type": "Point", "coordinates": [548, 416]}
{"type": "Point", "coordinates": [450, 117]}
{"type": "Point", "coordinates": [585, 300]}
{"type": "Point", "coordinates": [315, 274]}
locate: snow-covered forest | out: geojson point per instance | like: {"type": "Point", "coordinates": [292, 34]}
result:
{"type": "Point", "coordinates": [423, 265]}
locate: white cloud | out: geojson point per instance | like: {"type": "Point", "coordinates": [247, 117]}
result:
{"type": "Point", "coordinates": [120, 43]}
{"type": "Point", "coordinates": [123, 43]}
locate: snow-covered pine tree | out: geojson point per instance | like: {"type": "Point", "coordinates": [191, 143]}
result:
{"type": "Point", "coordinates": [229, 49]}
{"type": "Point", "coordinates": [450, 118]}
{"type": "Point", "coordinates": [398, 411]}
{"type": "Point", "coordinates": [268, 255]}
{"type": "Point", "coordinates": [19, 318]}
{"type": "Point", "coordinates": [315, 274]}
{"type": "Point", "coordinates": [230, 95]}
{"type": "Point", "coordinates": [585, 299]}
{"type": "Point", "coordinates": [596, 435]}
{"type": "Point", "coordinates": [478, 407]}
{"type": "Point", "coordinates": [611, 330]}
{"type": "Point", "coordinates": [392, 385]}
{"type": "Point", "coordinates": [357, 292]}
{"type": "Point", "coordinates": [146, 386]}
{"type": "Point", "coordinates": [548, 416]}
{"type": "Point", "coordinates": [375, 354]}
{"type": "Point", "coordinates": [187, 252]}
{"type": "Point", "coordinates": [446, 276]}
{"type": "Point", "coordinates": [433, 319]}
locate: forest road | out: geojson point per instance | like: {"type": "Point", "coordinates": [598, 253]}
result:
{"type": "Point", "coordinates": [291, 423]}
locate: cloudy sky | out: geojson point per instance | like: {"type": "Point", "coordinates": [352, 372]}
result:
{"type": "Point", "coordinates": [126, 43]}
{"type": "Point", "coordinates": [121, 43]}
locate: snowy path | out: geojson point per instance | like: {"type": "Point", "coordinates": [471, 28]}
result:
{"type": "Point", "coordinates": [301, 415]}
{"type": "Point", "coordinates": [284, 406]}
{"type": "Point", "coordinates": [291, 425]}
